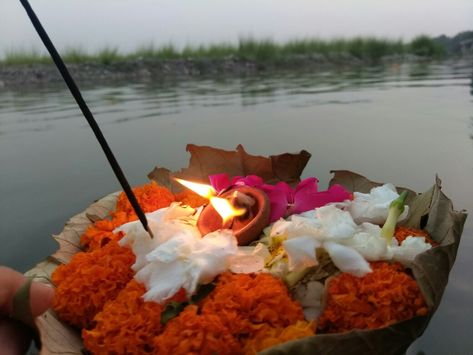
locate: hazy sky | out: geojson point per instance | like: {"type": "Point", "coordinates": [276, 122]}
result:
{"type": "Point", "coordinates": [129, 23]}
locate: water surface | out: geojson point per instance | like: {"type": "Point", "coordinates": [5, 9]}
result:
{"type": "Point", "coordinates": [401, 124]}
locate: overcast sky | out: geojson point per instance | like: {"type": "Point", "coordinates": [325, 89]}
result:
{"type": "Point", "coordinates": [129, 23]}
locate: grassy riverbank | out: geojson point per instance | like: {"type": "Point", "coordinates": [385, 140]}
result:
{"type": "Point", "coordinates": [367, 49]}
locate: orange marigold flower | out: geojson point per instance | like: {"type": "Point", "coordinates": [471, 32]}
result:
{"type": "Point", "coordinates": [126, 325]}
{"type": "Point", "coordinates": [192, 333]}
{"type": "Point", "coordinates": [101, 232]}
{"type": "Point", "coordinates": [402, 233]}
{"type": "Point", "coordinates": [268, 336]}
{"type": "Point", "coordinates": [244, 301]}
{"type": "Point", "coordinates": [190, 198]}
{"type": "Point", "coordinates": [89, 280]}
{"type": "Point", "coordinates": [151, 197]}
{"type": "Point", "coordinates": [383, 297]}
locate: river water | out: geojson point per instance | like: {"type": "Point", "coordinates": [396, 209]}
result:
{"type": "Point", "coordinates": [396, 123]}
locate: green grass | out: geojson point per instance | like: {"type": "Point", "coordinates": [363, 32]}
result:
{"type": "Point", "coordinates": [425, 47]}
{"type": "Point", "coordinates": [22, 57]}
{"type": "Point", "coordinates": [369, 49]}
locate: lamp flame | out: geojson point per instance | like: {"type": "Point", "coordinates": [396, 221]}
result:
{"type": "Point", "coordinates": [224, 208]}
{"type": "Point", "coordinates": [203, 190]}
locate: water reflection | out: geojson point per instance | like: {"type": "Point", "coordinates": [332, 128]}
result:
{"type": "Point", "coordinates": [384, 122]}
{"type": "Point", "coordinates": [471, 84]}
{"type": "Point", "coordinates": [471, 118]}
{"type": "Point", "coordinates": [419, 70]}
{"type": "Point", "coordinates": [29, 110]}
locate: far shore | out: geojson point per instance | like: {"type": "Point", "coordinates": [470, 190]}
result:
{"type": "Point", "coordinates": [249, 57]}
{"type": "Point", "coordinates": [139, 70]}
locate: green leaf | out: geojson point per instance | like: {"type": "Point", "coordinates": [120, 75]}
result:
{"type": "Point", "coordinates": [172, 310]}
{"type": "Point", "coordinates": [202, 292]}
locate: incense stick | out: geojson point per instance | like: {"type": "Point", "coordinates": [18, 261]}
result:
{"type": "Point", "coordinates": [87, 113]}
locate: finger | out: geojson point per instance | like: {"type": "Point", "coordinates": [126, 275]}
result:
{"type": "Point", "coordinates": [10, 280]}
{"type": "Point", "coordinates": [15, 338]}
{"type": "Point", "coordinates": [41, 296]}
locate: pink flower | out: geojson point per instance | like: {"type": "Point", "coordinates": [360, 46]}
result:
{"type": "Point", "coordinates": [284, 200]}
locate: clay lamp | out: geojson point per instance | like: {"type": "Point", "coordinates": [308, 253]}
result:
{"type": "Point", "coordinates": [242, 209]}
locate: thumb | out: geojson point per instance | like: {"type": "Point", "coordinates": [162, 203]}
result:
{"type": "Point", "coordinates": [41, 296]}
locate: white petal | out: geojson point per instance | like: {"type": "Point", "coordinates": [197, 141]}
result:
{"type": "Point", "coordinates": [140, 242]}
{"type": "Point", "coordinates": [179, 247]}
{"type": "Point", "coordinates": [305, 225]}
{"type": "Point", "coordinates": [336, 224]}
{"type": "Point", "coordinates": [369, 243]}
{"type": "Point", "coordinates": [261, 250]}
{"type": "Point", "coordinates": [162, 280]}
{"type": "Point", "coordinates": [409, 249]}
{"type": "Point", "coordinates": [310, 297]}
{"type": "Point", "coordinates": [279, 267]}
{"type": "Point", "coordinates": [177, 210]}
{"type": "Point", "coordinates": [280, 227]}
{"type": "Point", "coordinates": [301, 252]}
{"type": "Point", "coordinates": [154, 219]}
{"type": "Point", "coordinates": [167, 230]}
{"type": "Point", "coordinates": [374, 207]}
{"type": "Point", "coordinates": [212, 254]}
{"type": "Point", "coordinates": [246, 264]}
{"type": "Point", "coordinates": [249, 259]}
{"type": "Point", "coordinates": [197, 273]}
{"type": "Point", "coordinates": [347, 259]}
{"type": "Point", "coordinates": [311, 313]}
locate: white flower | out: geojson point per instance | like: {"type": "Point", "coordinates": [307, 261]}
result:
{"type": "Point", "coordinates": [301, 252]}
{"type": "Point", "coordinates": [164, 223]}
{"type": "Point", "coordinates": [177, 257]}
{"type": "Point", "coordinates": [350, 246]}
{"type": "Point", "coordinates": [409, 249]}
{"type": "Point", "coordinates": [347, 259]}
{"type": "Point", "coordinates": [369, 243]}
{"type": "Point", "coordinates": [374, 207]}
{"type": "Point", "coordinates": [328, 228]}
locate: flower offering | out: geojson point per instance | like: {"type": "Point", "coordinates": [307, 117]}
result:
{"type": "Point", "coordinates": [251, 259]}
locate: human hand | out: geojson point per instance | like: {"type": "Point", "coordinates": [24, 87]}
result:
{"type": "Point", "coordinates": [15, 337]}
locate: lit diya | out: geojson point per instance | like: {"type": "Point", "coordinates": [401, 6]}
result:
{"type": "Point", "coordinates": [243, 209]}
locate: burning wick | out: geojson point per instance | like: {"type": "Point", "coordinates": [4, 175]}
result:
{"type": "Point", "coordinates": [242, 209]}
{"type": "Point", "coordinates": [226, 209]}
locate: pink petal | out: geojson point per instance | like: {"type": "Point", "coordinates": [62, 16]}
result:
{"type": "Point", "coordinates": [308, 185]}
{"type": "Point", "coordinates": [250, 180]}
{"type": "Point", "coordinates": [219, 181]}
{"type": "Point", "coordinates": [284, 187]}
{"type": "Point", "coordinates": [277, 201]}
{"type": "Point", "coordinates": [306, 199]}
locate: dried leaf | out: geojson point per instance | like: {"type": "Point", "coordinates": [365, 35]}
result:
{"type": "Point", "coordinates": [387, 341]}
{"type": "Point", "coordinates": [162, 176]}
{"type": "Point", "coordinates": [356, 182]}
{"type": "Point", "coordinates": [207, 161]}
{"type": "Point", "coordinates": [57, 337]}
{"type": "Point", "coordinates": [288, 167]}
